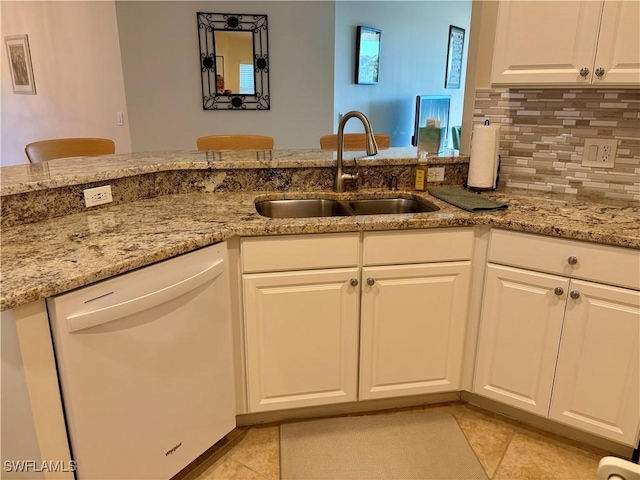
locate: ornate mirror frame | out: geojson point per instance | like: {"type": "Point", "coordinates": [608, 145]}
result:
{"type": "Point", "coordinates": [208, 23]}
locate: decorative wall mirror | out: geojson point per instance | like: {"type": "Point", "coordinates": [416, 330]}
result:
{"type": "Point", "coordinates": [234, 60]}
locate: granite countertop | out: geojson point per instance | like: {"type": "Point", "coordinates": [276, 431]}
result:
{"type": "Point", "coordinates": [54, 255]}
{"type": "Point", "coordinates": [74, 171]}
{"type": "Point", "coordinates": [57, 255]}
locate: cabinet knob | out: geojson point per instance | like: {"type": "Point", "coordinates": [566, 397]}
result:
{"type": "Point", "coordinates": [370, 281]}
{"type": "Point", "coordinates": [575, 294]}
{"type": "Point", "coordinates": [354, 282]}
{"type": "Point", "coordinates": [572, 260]}
{"type": "Point", "coordinates": [558, 291]}
{"type": "Point", "coordinates": [599, 72]}
{"type": "Point", "coordinates": [584, 71]}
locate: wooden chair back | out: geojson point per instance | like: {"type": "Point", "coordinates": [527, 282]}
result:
{"type": "Point", "coordinates": [45, 150]}
{"type": "Point", "coordinates": [235, 142]}
{"type": "Point", "coordinates": [354, 141]}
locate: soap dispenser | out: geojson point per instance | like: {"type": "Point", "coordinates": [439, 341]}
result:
{"type": "Point", "coordinates": [421, 173]}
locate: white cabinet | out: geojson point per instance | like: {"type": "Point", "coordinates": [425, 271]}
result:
{"type": "Point", "coordinates": [301, 338]}
{"type": "Point", "coordinates": [413, 321]}
{"type": "Point", "coordinates": [415, 290]}
{"type": "Point", "coordinates": [403, 311]}
{"type": "Point", "coordinates": [557, 345]}
{"type": "Point", "coordinates": [567, 43]}
{"type": "Point", "coordinates": [301, 319]}
{"type": "Point", "coordinates": [597, 386]}
{"type": "Point", "coordinates": [519, 337]}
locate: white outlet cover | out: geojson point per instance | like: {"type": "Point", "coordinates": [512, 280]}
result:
{"type": "Point", "coordinates": [97, 196]}
{"type": "Point", "coordinates": [597, 145]}
{"type": "Point", "coordinates": [435, 174]}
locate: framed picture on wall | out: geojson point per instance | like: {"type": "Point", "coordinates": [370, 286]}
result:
{"type": "Point", "coordinates": [367, 55]}
{"type": "Point", "coordinates": [20, 64]}
{"type": "Point", "coordinates": [454, 57]}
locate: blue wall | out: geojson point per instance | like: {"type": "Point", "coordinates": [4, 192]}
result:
{"type": "Point", "coordinates": [413, 60]}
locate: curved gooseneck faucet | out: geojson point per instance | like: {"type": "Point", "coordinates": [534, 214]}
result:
{"type": "Point", "coordinates": [372, 149]}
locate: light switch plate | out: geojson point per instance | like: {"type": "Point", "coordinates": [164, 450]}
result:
{"type": "Point", "coordinates": [599, 152]}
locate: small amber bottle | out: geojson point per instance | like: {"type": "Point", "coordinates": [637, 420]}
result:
{"type": "Point", "coordinates": [421, 173]}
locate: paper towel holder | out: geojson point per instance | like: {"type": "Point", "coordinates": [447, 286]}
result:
{"type": "Point", "coordinates": [486, 189]}
{"type": "Point", "coordinates": [495, 185]}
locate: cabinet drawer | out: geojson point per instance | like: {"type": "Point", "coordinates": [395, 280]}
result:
{"type": "Point", "coordinates": [600, 263]}
{"type": "Point", "coordinates": [299, 252]}
{"type": "Point", "coordinates": [418, 246]}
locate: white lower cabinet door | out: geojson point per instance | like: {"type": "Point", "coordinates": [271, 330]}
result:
{"type": "Point", "coordinates": [412, 332]}
{"type": "Point", "coordinates": [520, 329]}
{"type": "Point", "coordinates": [597, 377]}
{"type": "Point", "coordinates": [301, 338]}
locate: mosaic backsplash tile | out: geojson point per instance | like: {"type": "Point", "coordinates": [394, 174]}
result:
{"type": "Point", "coordinates": [543, 133]}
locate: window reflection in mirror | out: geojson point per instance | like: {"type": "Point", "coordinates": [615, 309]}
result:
{"type": "Point", "coordinates": [234, 60]}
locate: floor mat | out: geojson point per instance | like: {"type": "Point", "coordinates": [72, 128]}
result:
{"type": "Point", "coordinates": [402, 445]}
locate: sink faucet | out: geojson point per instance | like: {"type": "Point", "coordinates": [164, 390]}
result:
{"type": "Point", "coordinates": [372, 149]}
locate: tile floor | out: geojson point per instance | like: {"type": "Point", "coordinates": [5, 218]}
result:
{"type": "Point", "coordinates": [507, 449]}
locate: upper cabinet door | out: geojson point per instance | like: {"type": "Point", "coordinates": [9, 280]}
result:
{"type": "Point", "coordinates": [618, 53]}
{"type": "Point", "coordinates": [545, 42]}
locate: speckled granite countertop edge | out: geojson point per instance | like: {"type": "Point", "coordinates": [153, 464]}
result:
{"type": "Point", "coordinates": [24, 178]}
{"type": "Point", "coordinates": [43, 259]}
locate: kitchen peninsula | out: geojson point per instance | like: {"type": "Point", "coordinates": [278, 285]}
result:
{"type": "Point", "coordinates": [168, 203]}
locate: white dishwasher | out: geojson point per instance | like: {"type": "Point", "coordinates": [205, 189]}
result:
{"type": "Point", "coordinates": [146, 367]}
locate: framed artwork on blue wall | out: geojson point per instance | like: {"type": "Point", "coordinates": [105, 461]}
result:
{"type": "Point", "coordinates": [367, 55]}
{"type": "Point", "coordinates": [453, 75]}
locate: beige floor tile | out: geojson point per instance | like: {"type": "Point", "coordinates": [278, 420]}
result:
{"type": "Point", "coordinates": [229, 469]}
{"type": "Point", "coordinates": [488, 437]}
{"type": "Point", "coordinates": [260, 451]}
{"type": "Point", "coordinates": [506, 449]}
{"type": "Point", "coordinates": [533, 457]}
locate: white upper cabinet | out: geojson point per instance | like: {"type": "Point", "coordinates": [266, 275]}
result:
{"type": "Point", "coordinates": [567, 43]}
{"type": "Point", "coordinates": [618, 53]}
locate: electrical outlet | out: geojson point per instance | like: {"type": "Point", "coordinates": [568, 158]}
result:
{"type": "Point", "coordinates": [435, 174]}
{"type": "Point", "coordinates": [97, 195]}
{"type": "Point", "coordinates": [599, 153]}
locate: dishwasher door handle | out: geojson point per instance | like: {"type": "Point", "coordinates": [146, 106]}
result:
{"type": "Point", "coordinates": [104, 315]}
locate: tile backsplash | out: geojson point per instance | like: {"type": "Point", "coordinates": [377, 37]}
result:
{"type": "Point", "coordinates": [543, 133]}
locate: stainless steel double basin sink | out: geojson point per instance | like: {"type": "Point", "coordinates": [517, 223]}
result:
{"type": "Point", "coordinates": [325, 207]}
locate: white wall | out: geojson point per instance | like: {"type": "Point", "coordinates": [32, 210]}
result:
{"type": "Point", "coordinates": [85, 53]}
{"type": "Point", "coordinates": [160, 57]}
{"type": "Point", "coordinates": [77, 71]}
{"type": "Point", "coordinates": [413, 56]}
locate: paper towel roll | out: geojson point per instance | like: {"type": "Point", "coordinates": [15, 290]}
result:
{"type": "Point", "coordinates": [483, 164]}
